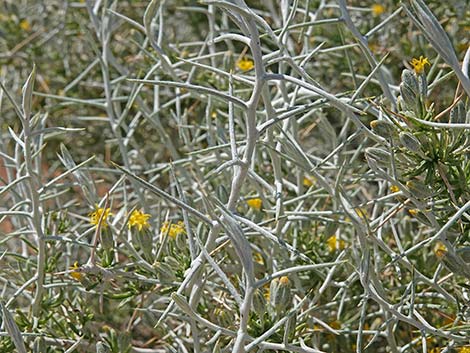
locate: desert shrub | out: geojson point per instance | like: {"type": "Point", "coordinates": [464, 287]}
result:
{"type": "Point", "coordinates": [232, 176]}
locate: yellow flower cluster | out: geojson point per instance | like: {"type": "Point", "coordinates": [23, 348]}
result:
{"type": "Point", "coordinates": [334, 244]}
{"type": "Point", "coordinates": [255, 203]}
{"type": "Point", "coordinates": [173, 230]}
{"type": "Point", "coordinates": [95, 216]}
{"type": "Point", "coordinates": [258, 258]}
{"type": "Point", "coordinates": [418, 64]}
{"type": "Point", "coordinates": [377, 9]}
{"type": "Point", "coordinates": [245, 64]}
{"type": "Point", "coordinates": [308, 181]}
{"type": "Point", "coordinates": [440, 251]}
{"type": "Point", "coordinates": [76, 274]}
{"type": "Point", "coordinates": [465, 349]}
{"type": "Point", "coordinates": [25, 25]}
{"type": "Point", "coordinates": [139, 220]}
{"type": "Point", "coordinates": [361, 212]}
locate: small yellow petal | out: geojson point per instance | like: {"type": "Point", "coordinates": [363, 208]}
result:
{"type": "Point", "coordinates": [361, 212]}
{"type": "Point", "coordinates": [440, 251]}
{"type": "Point", "coordinates": [95, 216]}
{"type": "Point", "coordinates": [255, 203]}
{"type": "Point", "coordinates": [76, 274]}
{"type": "Point", "coordinates": [418, 64]}
{"type": "Point", "coordinates": [258, 258]}
{"type": "Point", "coordinates": [139, 220]}
{"type": "Point", "coordinates": [377, 9]}
{"type": "Point", "coordinates": [334, 244]}
{"type": "Point", "coordinates": [25, 25]}
{"type": "Point", "coordinates": [309, 181]}
{"type": "Point", "coordinates": [335, 325]}
{"type": "Point", "coordinates": [173, 230]}
{"type": "Point", "coordinates": [245, 64]}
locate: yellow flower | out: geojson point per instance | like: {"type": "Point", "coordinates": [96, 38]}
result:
{"type": "Point", "coordinates": [463, 46]}
{"type": "Point", "coordinates": [465, 349]}
{"type": "Point", "coordinates": [95, 216]}
{"type": "Point", "coordinates": [373, 46]}
{"type": "Point", "coordinates": [308, 181]}
{"type": "Point", "coordinates": [377, 9]}
{"type": "Point", "coordinates": [361, 212]}
{"type": "Point", "coordinates": [245, 64]}
{"type": "Point", "coordinates": [173, 230]}
{"type": "Point", "coordinates": [76, 274]}
{"type": "Point", "coordinates": [413, 212]}
{"type": "Point", "coordinates": [138, 219]}
{"type": "Point", "coordinates": [334, 245]}
{"type": "Point", "coordinates": [418, 64]}
{"type": "Point", "coordinates": [440, 251]}
{"type": "Point", "coordinates": [284, 280]}
{"type": "Point", "coordinates": [255, 203]}
{"type": "Point", "coordinates": [267, 291]}
{"type": "Point", "coordinates": [258, 258]}
{"type": "Point", "coordinates": [394, 188]}
{"type": "Point", "coordinates": [24, 25]}
{"type": "Point", "coordinates": [335, 325]}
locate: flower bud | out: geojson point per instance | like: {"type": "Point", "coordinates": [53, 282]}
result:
{"type": "Point", "coordinates": [165, 273]}
{"type": "Point", "coordinates": [409, 141]}
{"type": "Point", "coordinates": [379, 156]}
{"type": "Point", "coordinates": [172, 262]}
{"type": "Point", "coordinates": [289, 328]}
{"type": "Point", "coordinates": [372, 164]}
{"type": "Point", "coordinates": [280, 296]}
{"type": "Point", "coordinates": [409, 97]}
{"type": "Point", "coordinates": [107, 241]}
{"type": "Point", "coordinates": [146, 243]}
{"type": "Point", "coordinates": [382, 128]}
{"type": "Point", "coordinates": [418, 189]}
{"type": "Point", "coordinates": [222, 193]}
{"type": "Point", "coordinates": [259, 303]}
{"type": "Point", "coordinates": [182, 303]}
{"type": "Point", "coordinates": [102, 347]}
{"type": "Point", "coordinates": [420, 216]}
{"type": "Point", "coordinates": [452, 261]}
{"type": "Point", "coordinates": [423, 85]}
{"type": "Point", "coordinates": [180, 241]}
{"type": "Point", "coordinates": [408, 78]}
{"type": "Point", "coordinates": [458, 113]}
